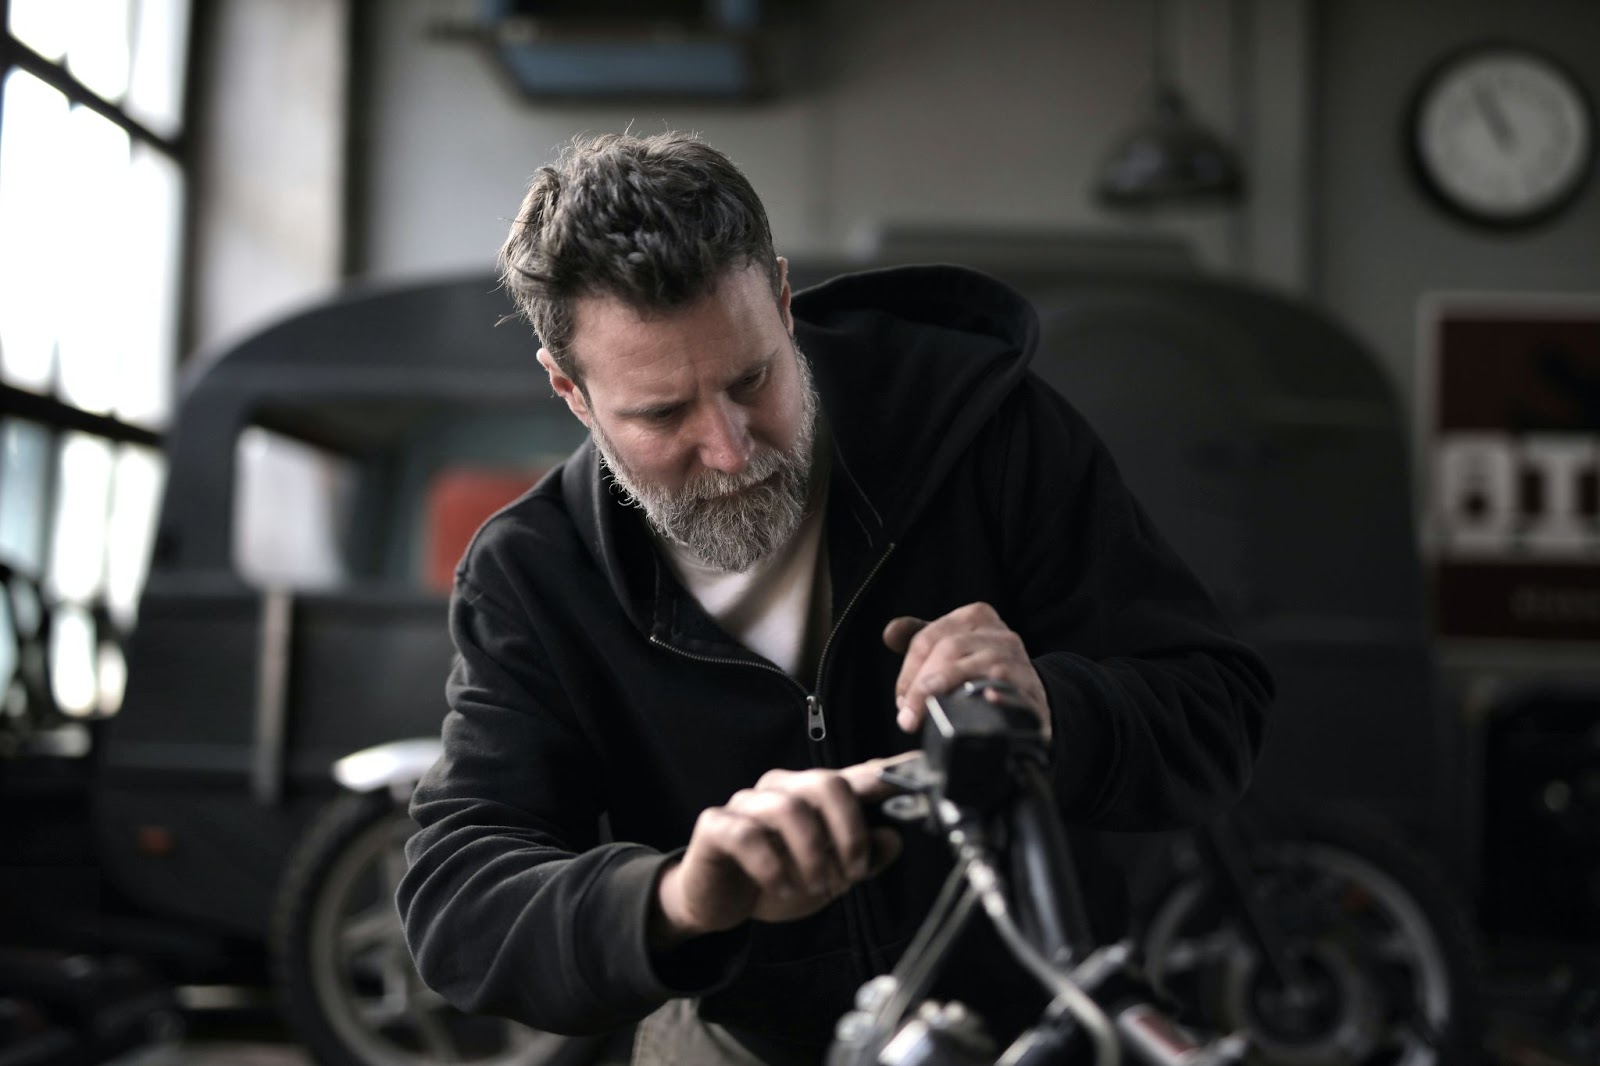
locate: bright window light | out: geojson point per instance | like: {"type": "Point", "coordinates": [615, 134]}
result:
{"type": "Point", "coordinates": [97, 47]}
{"type": "Point", "coordinates": [93, 217]}
{"type": "Point", "coordinates": [25, 453]}
{"type": "Point", "coordinates": [72, 660]}
{"type": "Point", "coordinates": [78, 540]}
{"type": "Point", "coordinates": [146, 319]}
{"type": "Point", "coordinates": [137, 481]}
{"type": "Point", "coordinates": [44, 25]}
{"type": "Point", "coordinates": [160, 47]}
{"type": "Point", "coordinates": [33, 253]}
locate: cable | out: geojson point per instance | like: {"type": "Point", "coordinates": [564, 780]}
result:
{"type": "Point", "coordinates": [985, 881]}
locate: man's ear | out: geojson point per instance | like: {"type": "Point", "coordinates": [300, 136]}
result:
{"type": "Point", "coordinates": [783, 295]}
{"type": "Point", "coordinates": [565, 387]}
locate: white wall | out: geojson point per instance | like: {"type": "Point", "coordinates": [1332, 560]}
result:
{"type": "Point", "coordinates": [934, 110]}
{"type": "Point", "coordinates": [270, 159]}
{"type": "Point", "coordinates": [960, 111]}
{"type": "Point", "coordinates": [1381, 245]}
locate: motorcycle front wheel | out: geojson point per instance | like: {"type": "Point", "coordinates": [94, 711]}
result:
{"type": "Point", "coordinates": [1383, 961]}
{"type": "Point", "coordinates": [344, 974]}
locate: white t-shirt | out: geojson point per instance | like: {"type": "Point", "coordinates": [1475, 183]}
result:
{"type": "Point", "coordinates": [779, 608]}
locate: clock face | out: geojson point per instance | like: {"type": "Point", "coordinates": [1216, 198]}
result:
{"type": "Point", "coordinates": [1503, 135]}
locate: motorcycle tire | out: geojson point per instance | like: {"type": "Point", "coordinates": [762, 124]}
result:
{"type": "Point", "coordinates": [344, 974]}
{"type": "Point", "coordinates": [1386, 963]}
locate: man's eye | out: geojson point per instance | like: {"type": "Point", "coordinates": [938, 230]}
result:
{"type": "Point", "coordinates": [661, 415]}
{"type": "Point", "coordinates": [751, 381]}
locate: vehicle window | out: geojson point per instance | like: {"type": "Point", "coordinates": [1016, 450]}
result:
{"type": "Point", "coordinates": [379, 494]}
{"type": "Point", "coordinates": [292, 512]}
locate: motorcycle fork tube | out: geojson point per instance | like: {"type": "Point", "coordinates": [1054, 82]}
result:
{"type": "Point", "coordinates": [1223, 851]}
{"type": "Point", "coordinates": [1049, 894]}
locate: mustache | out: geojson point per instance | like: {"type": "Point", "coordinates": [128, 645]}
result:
{"type": "Point", "coordinates": [711, 485]}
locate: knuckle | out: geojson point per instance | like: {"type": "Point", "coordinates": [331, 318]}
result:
{"type": "Point", "coordinates": [786, 805]}
{"type": "Point", "coordinates": [747, 835]}
{"type": "Point", "coordinates": [773, 779]}
{"type": "Point", "coordinates": [834, 784]}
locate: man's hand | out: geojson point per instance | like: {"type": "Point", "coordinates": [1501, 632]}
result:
{"type": "Point", "coordinates": [777, 852]}
{"type": "Point", "coordinates": [968, 644]}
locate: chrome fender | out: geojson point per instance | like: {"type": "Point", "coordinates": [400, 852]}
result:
{"type": "Point", "coordinates": [397, 766]}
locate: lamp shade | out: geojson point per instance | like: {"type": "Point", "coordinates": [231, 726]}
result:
{"type": "Point", "coordinates": [1169, 158]}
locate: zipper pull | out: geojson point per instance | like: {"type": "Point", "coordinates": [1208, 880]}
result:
{"type": "Point", "coordinates": [816, 727]}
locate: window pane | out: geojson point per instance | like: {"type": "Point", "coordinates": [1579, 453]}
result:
{"type": "Point", "coordinates": [96, 219]}
{"type": "Point", "coordinates": [145, 323]}
{"type": "Point", "coordinates": [291, 511]}
{"type": "Point", "coordinates": [135, 496]}
{"type": "Point", "coordinates": [33, 247]}
{"type": "Point", "coordinates": [97, 47]}
{"type": "Point", "coordinates": [43, 25]}
{"type": "Point", "coordinates": [78, 538]}
{"type": "Point", "coordinates": [25, 619]}
{"type": "Point", "coordinates": [160, 48]}
{"type": "Point", "coordinates": [25, 455]}
{"type": "Point", "coordinates": [72, 660]}
{"type": "Point", "coordinates": [111, 676]}
{"type": "Point", "coordinates": [8, 652]}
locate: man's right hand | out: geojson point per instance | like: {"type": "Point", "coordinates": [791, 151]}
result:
{"type": "Point", "coordinates": [776, 852]}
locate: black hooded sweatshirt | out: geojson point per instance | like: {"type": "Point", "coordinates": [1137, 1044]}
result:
{"type": "Point", "coordinates": [588, 681]}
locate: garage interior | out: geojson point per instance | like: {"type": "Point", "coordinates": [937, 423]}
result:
{"type": "Point", "coordinates": [1324, 274]}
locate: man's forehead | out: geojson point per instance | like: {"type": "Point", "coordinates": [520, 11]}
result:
{"type": "Point", "coordinates": [614, 339]}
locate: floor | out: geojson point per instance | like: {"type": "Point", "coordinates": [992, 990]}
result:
{"type": "Point", "coordinates": [1537, 1020]}
{"type": "Point", "coordinates": [234, 1041]}
{"type": "Point", "coordinates": [217, 1053]}
{"type": "Point", "coordinates": [239, 1034]}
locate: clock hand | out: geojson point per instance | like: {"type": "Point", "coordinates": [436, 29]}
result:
{"type": "Point", "coordinates": [1505, 135]}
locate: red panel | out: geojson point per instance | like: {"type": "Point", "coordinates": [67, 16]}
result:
{"type": "Point", "coordinates": [459, 501]}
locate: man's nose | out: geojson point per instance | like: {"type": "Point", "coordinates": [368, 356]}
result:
{"type": "Point", "coordinates": [725, 438]}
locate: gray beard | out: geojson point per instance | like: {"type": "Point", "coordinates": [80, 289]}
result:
{"type": "Point", "coordinates": [730, 522]}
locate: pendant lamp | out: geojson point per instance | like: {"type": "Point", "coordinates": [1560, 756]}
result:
{"type": "Point", "coordinates": [1170, 157]}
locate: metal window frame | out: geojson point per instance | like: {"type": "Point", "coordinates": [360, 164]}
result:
{"type": "Point", "coordinates": [56, 416]}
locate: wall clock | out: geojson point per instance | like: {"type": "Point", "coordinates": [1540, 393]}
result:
{"type": "Point", "coordinates": [1502, 135]}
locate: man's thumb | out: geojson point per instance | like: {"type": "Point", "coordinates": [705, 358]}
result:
{"type": "Point", "coordinates": [898, 633]}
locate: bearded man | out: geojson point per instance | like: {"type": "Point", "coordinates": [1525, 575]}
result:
{"type": "Point", "coordinates": [796, 517]}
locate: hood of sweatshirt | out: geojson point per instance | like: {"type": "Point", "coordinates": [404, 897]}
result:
{"type": "Point", "coordinates": [909, 363]}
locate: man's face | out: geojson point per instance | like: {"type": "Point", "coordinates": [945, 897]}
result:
{"type": "Point", "coordinates": [705, 416]}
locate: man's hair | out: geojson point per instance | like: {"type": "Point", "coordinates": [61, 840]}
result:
{"type": "Point", "coordinates": [655, 221]}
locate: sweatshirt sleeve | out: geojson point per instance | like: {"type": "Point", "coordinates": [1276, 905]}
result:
{"type": "Point", "coordinates": [510, 903]}
{"type": "Point", "coordinates": [1157, 709]}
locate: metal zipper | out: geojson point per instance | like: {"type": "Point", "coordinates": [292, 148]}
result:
{"type": "Point", "coordinates": [658, 642]}
{"type": "Point", "coordinates": [816, 725]}
{"type": "Point", "coordinates": [816, 721]}
{"type": "Point", "coordinates": [854, 901]}
{"type": "Point", "coordinates": [827, 645]}
{"type": "Point", "coordinates": [815, 728]}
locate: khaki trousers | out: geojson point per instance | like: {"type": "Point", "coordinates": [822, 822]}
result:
{"type": "Point", "coordinates": [674, 1035]}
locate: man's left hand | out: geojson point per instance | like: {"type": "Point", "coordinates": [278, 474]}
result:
{"type": "Point", "coordinates": [970, 643]}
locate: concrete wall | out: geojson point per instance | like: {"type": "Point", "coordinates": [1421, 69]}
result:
{"type": "Point", "coordinates": [271, 124]}
{"type": "Point", "coordinates": [1379, 244]}
{"type": "Point", "coordinates": [938, 110]}
{"type": "Point", "coordinates": [948, 111]}
{"type": "Point", "coordinates": [999, 112]}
